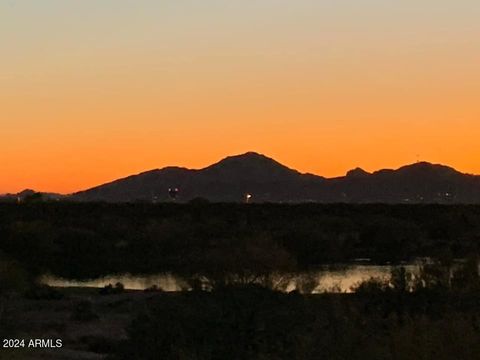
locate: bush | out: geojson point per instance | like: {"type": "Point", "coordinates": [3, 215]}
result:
{"type": "Point", "coordinates": [112, 290]}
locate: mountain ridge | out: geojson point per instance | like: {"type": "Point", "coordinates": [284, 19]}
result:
{"type": "Point", "coordinates": [267, 180]}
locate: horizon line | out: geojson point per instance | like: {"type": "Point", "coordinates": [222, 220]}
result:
{"type": "Point", "coordinates": [240, 155]}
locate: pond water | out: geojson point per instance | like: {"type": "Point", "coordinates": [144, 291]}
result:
{"type": "Point", "coordinates": [338, 278]}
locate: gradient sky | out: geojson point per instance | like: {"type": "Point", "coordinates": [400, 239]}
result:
{"type": "Point", "coordinates": [94, 90]}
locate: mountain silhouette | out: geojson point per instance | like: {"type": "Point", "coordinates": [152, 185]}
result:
{"type": "Point", "coordinates": [249, 166]}
{"type": "Point", "coordinates": [30, 194]}
{"type": "Point", "coordinates": [266, 180]}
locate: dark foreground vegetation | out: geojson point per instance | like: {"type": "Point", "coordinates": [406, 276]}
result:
{"type": "Point", "coordinates": [255, 323]}
{"type": "Point", "coordinates": [90, 240]}
{"type": "Point", "coordinates": [435, 315]}
{"type": "Point", "coordinates": [238, 249]}
{"type": "Point", "coordinates": [439, 318]}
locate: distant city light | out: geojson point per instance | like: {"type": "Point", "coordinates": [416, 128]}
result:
{"type": "Point", "coordinates": [173, 193]}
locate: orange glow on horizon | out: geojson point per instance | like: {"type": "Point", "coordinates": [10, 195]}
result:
{"type": "Point", "coordinates": [322, 88]}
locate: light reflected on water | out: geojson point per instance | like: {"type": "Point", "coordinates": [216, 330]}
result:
{"type": "Point", "coordinates": [331, 279]}
{"type": "Point", "coordinates": [166, 282]}
{"type": "Point", "coordinates": [343, 280]}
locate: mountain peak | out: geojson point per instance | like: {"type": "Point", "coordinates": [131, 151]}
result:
{"type": "Point", "coordinates": [357, 173]}
{"type": "Point", "coordinates": [424, 167]}
{"type": "Point", "coordinates": [251, 165]}
{"type": "Point", "coordinates": [248, 156]}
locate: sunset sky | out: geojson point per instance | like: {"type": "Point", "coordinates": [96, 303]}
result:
{"type": "Point", "coordinates": [94, 90]}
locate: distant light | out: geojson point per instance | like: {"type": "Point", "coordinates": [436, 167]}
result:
{"type": "Point", "coordinates": [173, 193]}
{"type": "Point", "coordinates": [248, 197]}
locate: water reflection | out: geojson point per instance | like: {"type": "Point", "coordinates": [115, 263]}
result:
{"type": "Point", "coordinates": [343, 280]}
{"type": "Point", "coordinates": [166, 282]}
{"type": "Point", "coordinates": [327, 279]}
